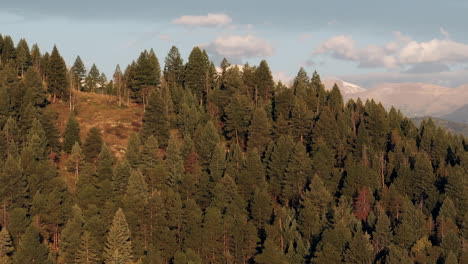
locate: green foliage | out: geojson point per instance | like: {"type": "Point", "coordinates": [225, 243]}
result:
{"type": "Point", "coordinates": [118, 248]}
{"type": "Point", "coordinates": [155, 121]}
{"type": "Point", "coordinates": [31, 249]}
{"type": "Point", "coordinates": [92, 145]}
{"type": "Point", "coordinates": [71, 134]}
{"type": "Point", "coordinates": [57, 75]}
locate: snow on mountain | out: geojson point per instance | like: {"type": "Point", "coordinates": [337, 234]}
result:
{"type": "Point", "coordinates": [346, 88]}
{"type": "Point", "coordinates": [417, 99]}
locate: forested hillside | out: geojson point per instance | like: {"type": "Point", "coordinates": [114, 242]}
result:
{"type": "Point", "coordinates": [220, 166]}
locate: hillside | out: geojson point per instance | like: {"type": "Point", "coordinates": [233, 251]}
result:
{"type": "Point", "coordinates": [102, 111]}
{"type": "Point", "coordinates": [459, 115]}
{"type": "Point", "coordinates": [454, 127]}
{"type": "Point", "coordinates": [417, 99]}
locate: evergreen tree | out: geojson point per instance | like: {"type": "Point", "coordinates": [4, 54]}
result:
{"type": "Point", "coordinates": [135, 202]}
{"type": "Point", "coordinates": [31, 249]}
{"type": "Point", "coordinates": [174, 161]}
{"type": "Point", "coordinates": [259, 130]}
{"type": "Point", "coordinates": [264, 81]}
{"type": "Point", "coordinates": [174, 68]}
{"type": "Point", "coordinates": [360, 250]}
{"type": "Point", "coordinates": [6, 245]}
{"type": "Point", "coordinates": [71, 235]}
{"type": "Point", "coordinates": [92, 79]}
{"type": "Point", "coordinates": [195, 74]}
{"type": "Point", "coordinates": [57, 75]}
{"type": "Point", "coordinates": [133, 150]}
{"type": "Point", "coordinates": [86, 253]}
{"type": "Point", "coordinates": [79, 72]}
{"type": "Point", "coordinates": [71, 134]}
{"type": "Point", "coordinates": [76, 161]}
{"type": "Point", "coordinates": [92, 145]}
{"type": "Point", "coordinates": [118, 248]}
{"type": "Point", "coordinates": [155, 121]}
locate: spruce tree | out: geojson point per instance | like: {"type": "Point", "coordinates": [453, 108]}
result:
{"type": "Point", "coordinates": [135, 203]}
{"type": "Point", "coordinates": [92, 79]}
{"type": "Point", "coordinates": [174, 68]}
{"type": "Point", "coordinates": [31, 249]}
{"type": "Point", "coordinates": [155, 121]}
{"type": "Point", "coordinates": [133, 150]}
{"type": "Point", "coordinates": [259, 131]}
{"type": "Point", "coordinates": [264, 81]}
{"type": "Point", "coordinates": [118, 248]}
{"type": "Point", "coordinates": [6, 245]}
{"type": "Point", "coordinates": [23, 56]}
{"type": "Point", "coordinates": [86, 253]}
{"type": "Point", "coordinates": [174, 162]}
{"type": "Point", "coordinates": [71, 134]}
{"type": "Point", "coordinates": [360, 250]}
{"type": "Point", "coordinates": [195, 73]}
{"type": "Point", "coordinates": [93, 144]}
{"type": "Point", "coordinates": [57, 75]}
{"type": "Point", "coordinates": [79, 72]}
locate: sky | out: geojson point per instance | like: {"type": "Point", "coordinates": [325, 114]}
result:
{"type": "Point", "coordinates": [365, 42]}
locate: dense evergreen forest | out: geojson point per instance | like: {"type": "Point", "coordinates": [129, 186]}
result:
{"type": "Point", "coordinates": [228, 167]}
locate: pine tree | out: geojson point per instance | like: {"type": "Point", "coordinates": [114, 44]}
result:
{"type": "Point", "coordinates": [35, 93]}
{"type": "Point", "coordinates": [264, 81]}
{"type": "Point", "coordinates": [76, 161]}
{"type": "Point", "coordinates": [397, 255]}
{"type": "Point", "coordinates": [118, 248]}
{"type": "Point", "coordinates": [79, 72]}
{"type": "Point", "coordinates": [31, 249]}
{"type": "Point", "coordinates": [360, 250]}
{"type": "Point", "coordinates": [135, 202]}
{"type": "Point", "coordinates": [174, 162]}
{"type": "Point", "coordinates": [237, 119]}
{"type": "Point", "coordinates": [301, 84]}
{"type": "Point", "coordinates": [174, 68]}
{"type": "Point", "coordinates": [23, 56]}
{"type": "Point", "coordinates": [259, 131]}
{"type": "Point", "coordinates": [71, 235]}
{"type": "Point", "coordinates": [52, 133]}
{"type": "Point", "coordinates": [86, 253]}
{"type": "Point", "coordinates": [206, 140]}
{"type": "Point", "coordinates": [297, 173]}
{"type": "Point", "coordinates": [155, 121]}
{"type": "Point", "coordinates": [133, 150]}
{"type": "Point", "coordinates": [120, 178]}
{"type": "Point", "coordinates": [71, 134]}
{"type": "Point", "coordinates": [271, 254]}
{"type": "Point", "coordinates": [195, 73]}
{"type": "Point", "coordinates": [57, 75]}
{"type": "Point", "coordinates": [92, 145]}
{"type": "Point", "coordinates": [92, 79]}
{"type": "Point", "coordinates": [6, 245]}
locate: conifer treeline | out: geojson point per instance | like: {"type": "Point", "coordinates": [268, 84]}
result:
{"type": "Point", "coordinates": [229, 167]}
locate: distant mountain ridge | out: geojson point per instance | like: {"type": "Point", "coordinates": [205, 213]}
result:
{"type": "Point", "coordinates": [413, 99]}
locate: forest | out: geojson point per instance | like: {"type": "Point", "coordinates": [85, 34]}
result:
{"type": "Point", "coordinates": [228, 166]}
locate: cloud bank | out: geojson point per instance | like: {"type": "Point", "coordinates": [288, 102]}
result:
{"type": "Point", "coordinates": [239, 47]}
{"type": "Point", "coordinates": [403, 52]}
{"type": "Point", "coordinates": [210, 20]}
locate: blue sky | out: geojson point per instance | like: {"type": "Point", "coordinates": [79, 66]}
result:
{"type": "Point", "coordinates": [361, 41]}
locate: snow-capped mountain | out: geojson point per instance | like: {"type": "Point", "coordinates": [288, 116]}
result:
{"type": "Point", "coordinates": [346, 88]}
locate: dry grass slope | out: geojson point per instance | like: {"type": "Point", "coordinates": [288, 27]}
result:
{"type": "Point", "coordinates": [102, 111]}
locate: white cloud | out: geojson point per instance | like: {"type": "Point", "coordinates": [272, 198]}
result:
{"type": "Point", "coordinates": [210, 20]}
{"type": "Point", "coordinates": [238, 47]}
{"type": "Point", "coordinates": [399, 53]}
{"type": "Point", "coordinates": [344, 47]}
{"type": "Point", "coordinates": [436, 50]}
